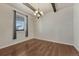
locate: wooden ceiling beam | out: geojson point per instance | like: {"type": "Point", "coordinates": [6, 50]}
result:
{"type": "Point", "coordinates": [30, 6]}
{"type": "Point", "coordinates": [54, 7]}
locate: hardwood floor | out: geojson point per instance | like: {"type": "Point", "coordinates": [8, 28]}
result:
{"type": "Point", "coordinates": [36, 47]}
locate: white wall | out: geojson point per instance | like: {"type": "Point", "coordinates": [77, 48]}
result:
{"type": "Point", "coordinates": [52, 26]}
{"type": "Point", "coordinates": [76, 25]}
{"type": "Point", "coordinates": [6, 27]}
{"type": "Point", "coordinates": [56, 26]}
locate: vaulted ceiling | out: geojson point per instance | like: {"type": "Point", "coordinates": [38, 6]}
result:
{"type": "Point", "coordinates": [45, 7]}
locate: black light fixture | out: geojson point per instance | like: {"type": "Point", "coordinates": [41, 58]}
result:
{"type": "Point", "coordinates": [54, 7]}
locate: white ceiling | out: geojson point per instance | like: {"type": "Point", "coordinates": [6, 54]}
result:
{"type": "Point", "coordinates": [63, 5]}
{"type": "Point", "coordinates": [21, 7]}
{"type": "Point", "coordinates": [45, 7]}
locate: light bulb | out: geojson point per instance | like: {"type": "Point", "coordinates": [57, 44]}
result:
{"type": "Point", "coordinates": [35, 14]}
{"type": "Point", "coordinates": [36, 11]}
{"type": "Point", "coordinates": [41, 13]}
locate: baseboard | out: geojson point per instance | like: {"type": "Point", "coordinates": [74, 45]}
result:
{"type": "Point", "coordinates": [34, 38]}
{"type": "Point", "coordinates": [54, 41]}
{"type": "Point", "coordinates": [14, 43]}
{"type": "Point", "coordinates": [76, 48]}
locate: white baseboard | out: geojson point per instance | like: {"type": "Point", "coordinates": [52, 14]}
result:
{"type": "Point", "coordinates": [54, 41]}
{"type": "Point", "coordinates": [36, 38]}
{"type": "Point", "coordinates": [76, 48]}
{"type": "Point", "coordinates": [15, 42]}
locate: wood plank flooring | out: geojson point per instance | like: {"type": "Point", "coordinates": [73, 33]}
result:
{"type": "Point", "coordinates": [36, 47]}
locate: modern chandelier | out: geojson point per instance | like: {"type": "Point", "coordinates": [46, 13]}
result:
{"type": "Point", "coordinates": [38, 13]}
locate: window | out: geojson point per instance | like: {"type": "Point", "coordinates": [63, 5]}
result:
{"type": "Point", "coordinates": [20, 23]}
